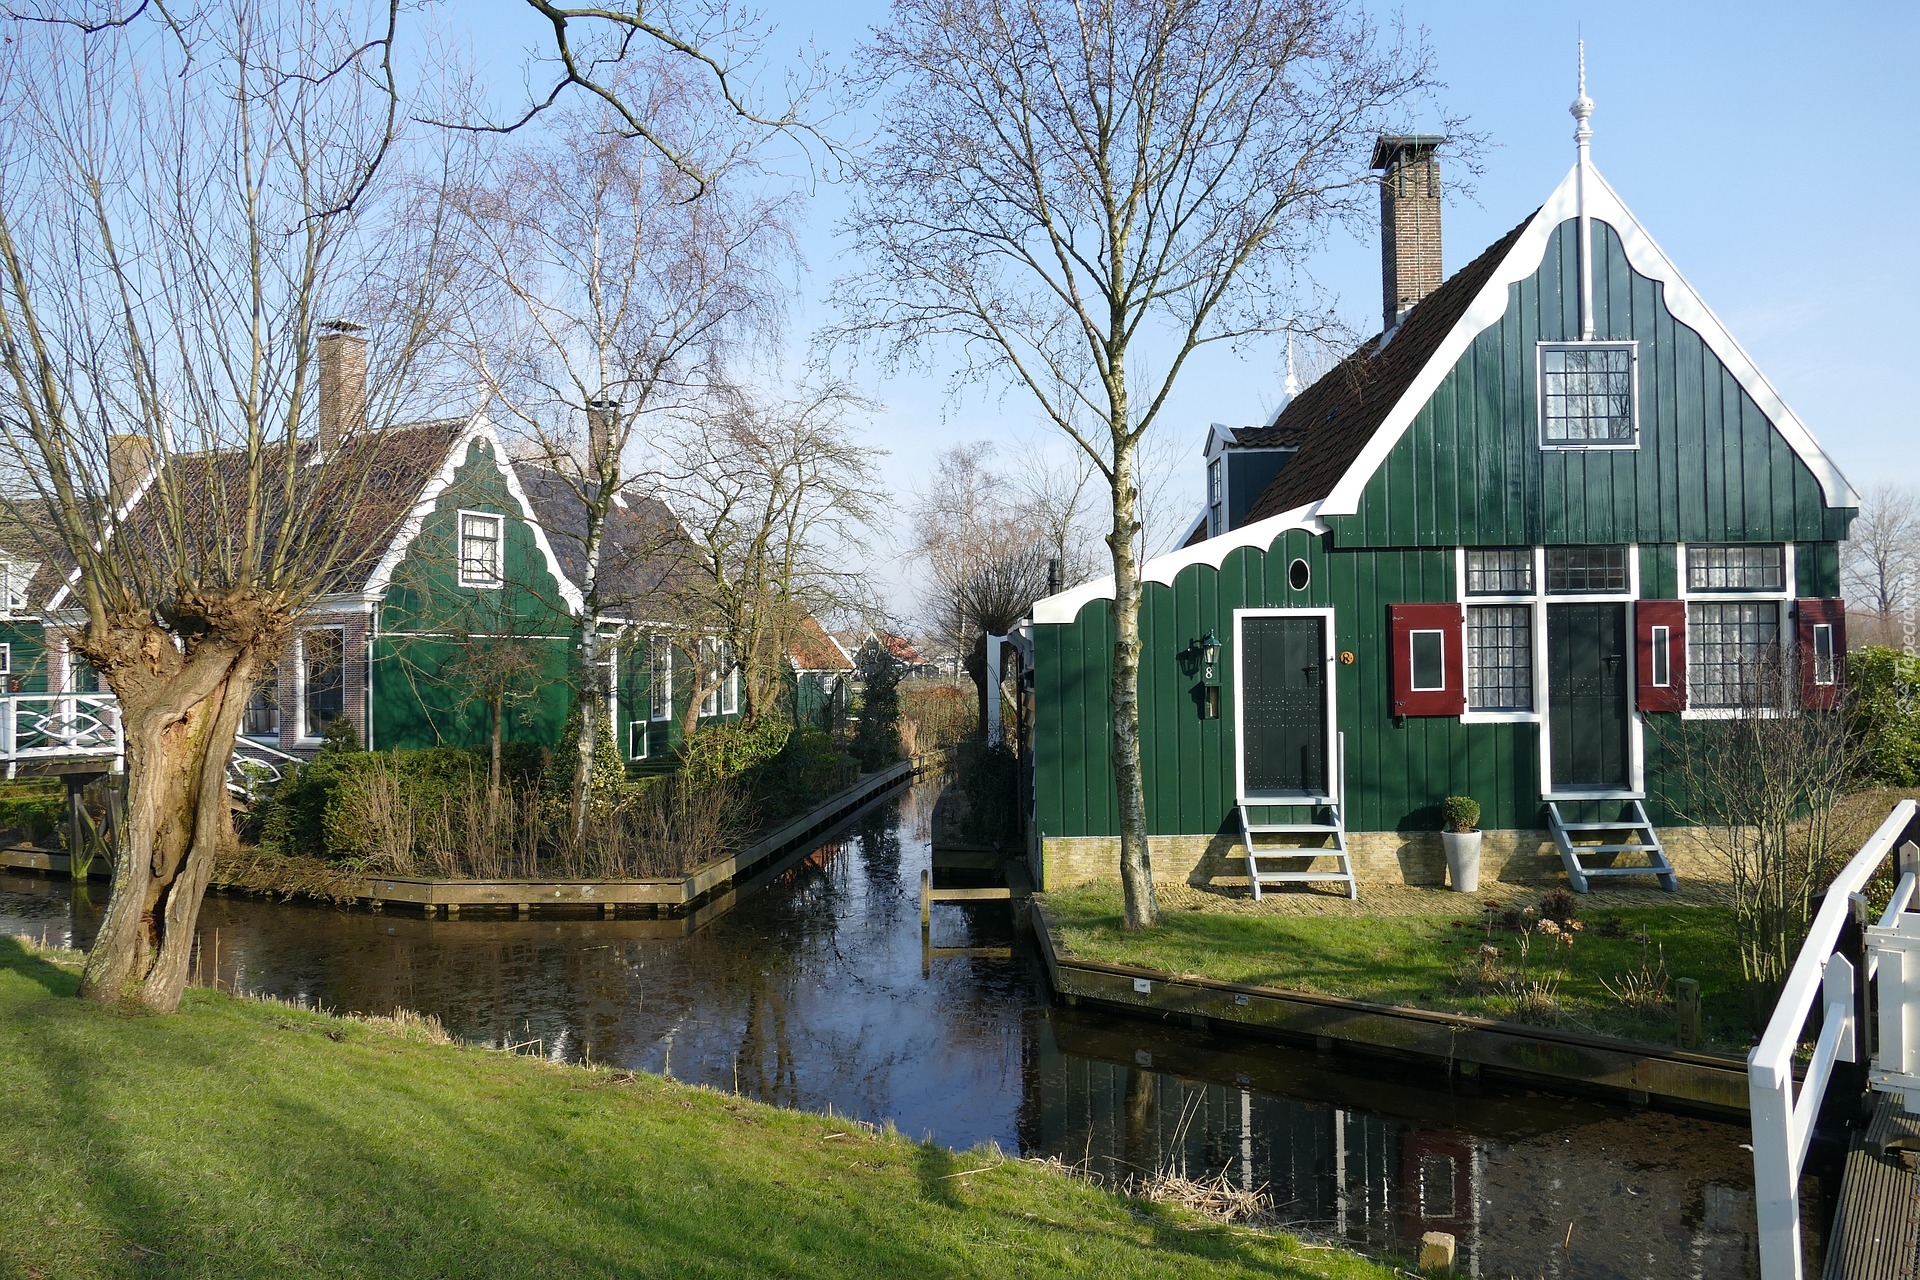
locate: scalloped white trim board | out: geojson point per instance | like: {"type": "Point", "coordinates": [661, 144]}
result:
{"type": "Point", "coordinates": [1486, 310]}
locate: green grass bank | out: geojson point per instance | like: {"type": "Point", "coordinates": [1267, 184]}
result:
{"type": "Point", "coordinates": [1433, 961]}
{"type": "Point", "coordinates": [244, 1138]}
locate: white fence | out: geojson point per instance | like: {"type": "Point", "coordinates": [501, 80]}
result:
{"type": "Point", "coordinates": [1783, 1118]}
{"type": "Point", "coordinates": [36, 727]}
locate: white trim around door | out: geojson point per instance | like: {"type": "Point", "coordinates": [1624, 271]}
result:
{"type": "Point", "coordinates": [1327, 648]}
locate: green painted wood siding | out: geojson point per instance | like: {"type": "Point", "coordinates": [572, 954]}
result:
{"type": "Point", "coordinates": [1710, 466]}
{"type": "Point", "coordinates": [28, 665]}
{"type": "Point", "coordinates": [430, 625]}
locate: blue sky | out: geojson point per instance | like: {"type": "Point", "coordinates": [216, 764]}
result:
{"type": "Point", "coordinates": [1769, 148]}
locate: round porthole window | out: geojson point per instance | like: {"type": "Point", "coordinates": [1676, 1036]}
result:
{"type": "Point", "coordinates": [1298, 575]}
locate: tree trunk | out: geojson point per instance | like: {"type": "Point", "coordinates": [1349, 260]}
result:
{"type": "Point", "coordinates": [180, 726]}
{"type": "Point", "coordinates": [976, 667]}
{"type": "Point", "coordinates": [592, 705]}
{"type": "Point", "coordinates": [1136, 865]}
{"type": "Point", "coordinates": [495, 706]}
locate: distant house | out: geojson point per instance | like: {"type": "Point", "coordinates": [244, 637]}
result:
{"type": "Point", "coordinates": [1550, 510]}
{"type": "Point", "coordinates": [484, 553]}
{"type": "Point", "coordinates": [822, 674]}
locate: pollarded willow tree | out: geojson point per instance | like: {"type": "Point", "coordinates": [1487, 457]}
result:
{"type": "Point", "coordinates": [1065, 189]}
{"type": "Point", "coordinates": [613, 290]}
{"type": "Point", "coordinates": [181, 204]}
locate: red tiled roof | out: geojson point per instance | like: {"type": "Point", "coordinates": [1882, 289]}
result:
{"type": "Point", "coordinates": [813, 649]}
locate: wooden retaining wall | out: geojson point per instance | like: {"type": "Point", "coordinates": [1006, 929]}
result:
{"type": "Point", "coordinates": [1469, 1044]}
{"type": "Point", "coordinates": [665, 894]}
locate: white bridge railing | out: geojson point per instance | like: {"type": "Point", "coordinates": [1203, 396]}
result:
{"type": "Point", "coordinates": [1783, 1118]}
{"type": "Point", "coordinates": [59, 726]}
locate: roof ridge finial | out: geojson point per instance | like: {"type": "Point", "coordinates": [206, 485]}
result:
{"type": "Point", "coordinates": [1293, 379]}
{"type": "Point", "coordinates": [1582, 107]}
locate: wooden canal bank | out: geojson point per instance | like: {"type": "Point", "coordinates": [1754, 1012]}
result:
{"type": "Point", "coordinates": [1472, 1046]}
{"type": "Point", "coordinates": [653, 896]}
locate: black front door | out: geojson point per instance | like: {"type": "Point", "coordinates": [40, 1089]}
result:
{"type": "Point", "coordinates": [1283, 705]}
{"type": "Point", "coordinates": [1587, 696]}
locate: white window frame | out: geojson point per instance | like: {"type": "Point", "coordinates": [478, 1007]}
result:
{"type": "Point", "coordinates": [1782, 601]}
{"type": "Point", "coordinates": [307, 734]}
{"type": "Point", "coordinates": [644, 730]}
{"type": "Point", "coordinates": [659, 676]}
{"type": "Point", "coordinates": [1413, 663]}
{"type": "Point", "coordinates": [1217, 495]}
{"type": "Point", "coordinates": [1660, 650]}
{"type": "Point", "coordinates": [1538, 600]}
{"type": "Point", "coordinates": [498, 577]}
{"type": "Point", "coordinates": [1496, 715]}
{"type": "Point", "coordinates": [275, 735]}
{"type": "Point", "coordinates": [1239, 711]}
{"type": "Point", "coordinates": [724, 699]}
{"type": "Point", "coordinates": [1822, 631]}
{"type": "Point", "coordinates": [6, 657]}
{"type": "Point", "coordinates": [1632, 347]}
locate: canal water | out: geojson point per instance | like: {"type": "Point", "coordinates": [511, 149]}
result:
{"type": "Point", "coordinates": [814, 992]}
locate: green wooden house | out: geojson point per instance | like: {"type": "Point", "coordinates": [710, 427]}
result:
{"type": "Point", "coordinates": [476, 589]}
{"type": "Point", "coordinates": [1551, 512]}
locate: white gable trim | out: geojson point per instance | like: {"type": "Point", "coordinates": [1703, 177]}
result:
{"type": "Point", "coordinates": [479, 429]}
{"type": "Point", "coordinates": [1522, 260]}
{"type": "Point", "coordinates": [1066, 606]}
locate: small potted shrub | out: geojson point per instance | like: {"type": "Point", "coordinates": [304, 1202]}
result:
{"type": "Point", "coordinates": [1462, 839]}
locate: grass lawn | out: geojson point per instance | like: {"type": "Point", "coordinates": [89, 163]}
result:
{"type": "Point", "coordinates": [1415, 960]}
{"type": "Point", "coordinates": [243, 1138]}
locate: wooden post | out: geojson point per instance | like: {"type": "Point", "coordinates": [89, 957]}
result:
{"type": "Point", "coordinates": [606, 911]}
{"type": "Point", "coordinates": [1687, 1005]}
{"type": "Point", "coordinates": [453, 911]}
{"type": "Point", "coordinates": [926, 902]}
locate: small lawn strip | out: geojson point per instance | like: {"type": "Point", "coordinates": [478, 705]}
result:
{"type": "Point", "coordinates": [244, 1138]}
{"type": "Point", "coordinates": [1416, 960]}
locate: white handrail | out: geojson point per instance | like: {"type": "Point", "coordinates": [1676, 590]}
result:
{"type": "Point", "coordinates": [1782, 1123]}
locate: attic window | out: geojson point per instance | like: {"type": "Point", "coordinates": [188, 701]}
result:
{"type": "Point", "coordinates": [1587, 395]}
{"type": "Point", "coordinates": [479, 549]}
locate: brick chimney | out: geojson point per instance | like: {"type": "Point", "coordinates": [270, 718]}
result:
{"type": "Point", "coordinates": [603, 416]}
{"type": "Point", "coordinates": [1409, 220]}
{"type": "Point", "coordinates": [343, 381]}
{"type": "Point", "coordinates": [129, 458]}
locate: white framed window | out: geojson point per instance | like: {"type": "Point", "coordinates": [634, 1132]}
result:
{"type": "Point", "coordinates": [660, 677]}
{"type": "Point", "coordinates": [480, 548]}
{"type": "Point", "coordinates": [1580, 571]}
{"type": "Point", "coordinates": [1429, 660]}
{"type": "Point", "coordinates": [1738, 566]}
{"type": "Point", "coordinates": [14, 577]}
{"type": "Point", "coordinates": [323, 678]}
{"type": "Point", "coordinates": [261, 719]}
{"type": "Point", "coordinates": [1499, 571]}
{"type": "Point", "coordinates": [637, 741]}
{"type": "Point", "coordinates": [1660, 641]}
{"type": "Point", "coordinates": [720, 677]}
{"type": "Point", "coordinates": [1733, 659]}
{"type": "Point", "coordinates": [1499, 657]}
{"type": "Point", "coordinates": [1216, 497]}
{"type": "Point", "coordinates": [1587, 395]}
{"type": "Point", "coordinates": [6, 659]}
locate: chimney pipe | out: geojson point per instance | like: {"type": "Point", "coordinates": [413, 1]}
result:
{"type": "Point", "coordinates": [343, 382]}
{"type": "Point", "coordinates": [129, 458]}
{"type": "Point", "coordinates": [603, 416]}
{"type": "Point", "coordinates": [1409, 220]}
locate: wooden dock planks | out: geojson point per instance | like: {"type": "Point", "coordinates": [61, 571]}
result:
{"type": "Point", "coordinates": [1876, 1227]}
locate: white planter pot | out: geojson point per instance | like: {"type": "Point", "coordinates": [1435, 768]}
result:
{"type": "Point", "coordinates": [1463, 860]}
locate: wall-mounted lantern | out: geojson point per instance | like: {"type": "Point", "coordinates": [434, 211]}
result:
{"type": "Point", "coordinates": [1208, 647]}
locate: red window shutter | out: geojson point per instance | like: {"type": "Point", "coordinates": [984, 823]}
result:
{"type": "Point", "coordinates": [1429, 667]}
{"type": "Point", "coordinates": [1660, 654]}
{"type": "Point", "coordinates": [1820, 635]}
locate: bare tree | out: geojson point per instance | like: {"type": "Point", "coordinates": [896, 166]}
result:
{"type": "Point", "coordinates": [1065, 188]}
{"type": "Point", "coordinates": [1881, 561]}
{"type": "Point", "coordinates": [178, 211]}
{"type": "Point", "coordinates": [620, 288]}
{"type": "Point", "coordinates": [776, 500]}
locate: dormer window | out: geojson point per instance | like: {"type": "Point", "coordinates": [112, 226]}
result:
{"type": "Point", "coordinates": [1216, 497]}
{"type": "Point", "coordinates": [1587, 395]}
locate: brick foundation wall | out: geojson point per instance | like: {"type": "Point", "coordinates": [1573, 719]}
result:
{"type": "Point", "coordinates": [1379, 857]}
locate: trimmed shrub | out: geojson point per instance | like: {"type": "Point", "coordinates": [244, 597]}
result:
{"type": "Point", "coordinates": [876, 738]}
{"type": "Point", "coordinates": [1883, 708]}
{"type": "Point", "coordinates": [1460, 813]}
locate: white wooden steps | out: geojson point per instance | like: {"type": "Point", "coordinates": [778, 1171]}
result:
{"type": "Point", "coordinates": [1632, 833]}
{"type": "Point", "coordinates": [1296, 859]}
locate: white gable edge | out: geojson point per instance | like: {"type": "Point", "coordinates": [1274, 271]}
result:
{"type": "Point", "coordinates": [479, 428]}
{"type": "Point", "coordinates": [1066, 606]}
{"type": "Point", "coordinates": [1646, 257]}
